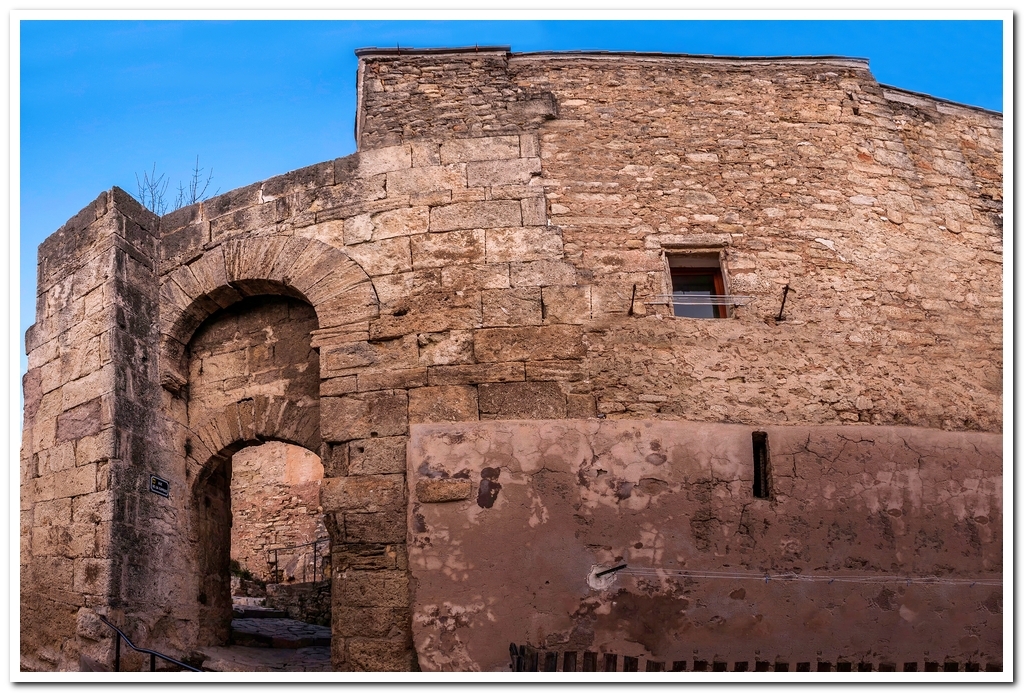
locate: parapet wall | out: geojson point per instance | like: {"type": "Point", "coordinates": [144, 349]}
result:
{"type": "Point", "coordinates": [495, 250]}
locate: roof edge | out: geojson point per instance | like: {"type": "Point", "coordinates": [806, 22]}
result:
{"type": "Point", "coordinates": [691, 56]}
{"type": "Point", "coordinates": [938, 99]}
{"type": "Point", "coordinates": [399, 50]}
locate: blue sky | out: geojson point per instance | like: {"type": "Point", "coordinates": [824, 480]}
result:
{"type": "Point", "coordinates": [104, 100]}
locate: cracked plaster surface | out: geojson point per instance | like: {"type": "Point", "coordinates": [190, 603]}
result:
{"type": "Point", "coordinates": [671, 496]}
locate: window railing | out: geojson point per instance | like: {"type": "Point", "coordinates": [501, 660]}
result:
{"type": "Point", "coordinates": [682, 300]}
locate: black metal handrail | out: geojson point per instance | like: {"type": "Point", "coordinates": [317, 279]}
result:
{"type": "Point", "coordinates": [152, 653]}
{"type": "Point", "coordinates": [275, 572]}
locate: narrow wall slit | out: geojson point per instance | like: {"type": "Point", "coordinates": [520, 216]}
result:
{"type": "Point", "coordinates": [762, 465]}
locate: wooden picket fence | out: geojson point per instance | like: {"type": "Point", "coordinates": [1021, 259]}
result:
{"type": "Point", "coordinates": [527, 658]}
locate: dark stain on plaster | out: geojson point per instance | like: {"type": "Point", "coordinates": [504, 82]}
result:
{"type": "Point", "coordinates": [624, 490]}
{"type": "Point", "coordinates": [489, 487]}
{"type": "Point", "coordinates": [886, 600]}
{"type": "Point", "coordinates": [738, 594]}
{"type": "Point", "coordinates": [648, 620]}
{"type": "Point", "coordinates": [426, 470]}
{"type": "Point", "coordinates": [703, 525]}
{"type": "Point", "coordinates": [994, 603]}
{"type": "Point", "coordinates": [652, 487]}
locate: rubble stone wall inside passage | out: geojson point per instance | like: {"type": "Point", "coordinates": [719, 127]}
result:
{"type": "Point", "coordinates": [476, 260]}
{"type": "Point", "coordinates": [275, 500]}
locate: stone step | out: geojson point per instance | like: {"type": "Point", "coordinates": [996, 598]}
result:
{"type": "Point", "coordinates": [245, 611]}
{"type": "Point", "coordinates": [239, 658]}
{"type": "Point", "coordinates": [283, 633]}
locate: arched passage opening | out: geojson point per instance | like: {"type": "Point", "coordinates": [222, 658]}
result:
{"type": "Point", "coordinates": [260, 538]}
{"type": "Point", "coordinates": [252, 402]}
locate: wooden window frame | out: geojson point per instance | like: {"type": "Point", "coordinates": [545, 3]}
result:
{"type": "Point", "coordinates": [714, 272]}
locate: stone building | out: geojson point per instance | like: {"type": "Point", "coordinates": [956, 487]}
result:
{"type": "Point", "coordinates": [479, 323]}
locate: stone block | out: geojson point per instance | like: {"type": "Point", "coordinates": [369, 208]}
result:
{"type": "Point", "coordinates": [502, 172]}
{"type": "Point", "coordinates": [572, 371]}
{"type": "Point", "coordinates": [366, 654]}
{"type": "Point", "coordinates": [472, 374]}
{"type": "Point", "coordinates": [364, 415]}
{"type": "Point", "coordinates": [480, 149]}
{"type": "Point", "coordinates": [376, 527]}
{"type": "Point", "coordinates": [357, 229]}
{"type": "Point", "coordinates": [444, 249]}
{"type": "Point", "coordinates": [529, 144]}
{"type": "Point", "coordinates": [394, 353]}
{"type": "Point", "coordinates": [528, 343]}
{"type": "Point", "coordinates": [427, 178]}
{"type": "Point", "coordinates": [425, 154]}
{"type": "Point", "coordinates": [542, 273]}
{"type": "Point", "coordinates": [443, 403]}
{"type": "Point", "coordinates": [535, 211]}
{"type": "Point", "coordinates": [54, 572]}
{"type": "Point", "coordinates": [71, 541]}
{"type": "Point", "coordinates": [377, 456]}
{"type": "Point", "coordinates": [475, 277]}
{"type": "Point", "coordinates": [334, 233]}
{"type": "Point", "coordinates": [430, 312]}
{"type": "Point", "coordinates": [93, 508]}
{"type": "Point", "coordinates": [383, 160]}
{"type": "Point", "coordinates": [65, 484]}
{"type": "Point", "coordinates": [92, 575]}
{"type": "Point", "coordinates": [400, 222]}
{"type": "Point", "coordinates": [387, 588]}
{"type": "Point", "coordinates": [386, 256]}
{"type": "Point", "coordinates": [580, 407]}
{"type": "Point", "coordinates": [569, 305]}
{"type": "Point", "coordinates": [529, 400]}
{"type": "Point", "coordinates": [367, 557]}
{"type": "Point", "coordinates": [332, 387]}
{"type": "Point", "coordinates": [507, 307]}
{"type": "Point", "coordinates": [52, 513]}
{"type": "Point", "coordinates": [367, 622]}
{"type": "Point", "coordinates": [443, 490]}
{"type": "Point", "coordinates": [476, 215]}
{"type": "Point", "coordinates": [369, 493]}
{"type": "Point", "coordinates": [55, 459]}
{"type": "Point", "coordinates": [89, 387]}
{"type": "Point", "coordinates": [403, 378]}
{"type": "Point", "coordinates": [615, 295]}
{"type": "Point", "coordinates": [79, 422]}
{"type": "Point", "coordinates": [471, 195]}
{"type": "Point", "coordinates": [522, 244]}
{"type": "Point", "coordinates": [607, 261]}
{"type": "Point", "coordinates": [307, 178]}
{"type": "Point", "coordinates": [445, 348]}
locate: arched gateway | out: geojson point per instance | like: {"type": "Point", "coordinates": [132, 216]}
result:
{"type": "Point", "coordinates": [485, 324]}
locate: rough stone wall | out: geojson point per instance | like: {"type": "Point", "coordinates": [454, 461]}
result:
{"type": "Point", "coordinates": [256, 347]}
{"type": "Point", "coordinates": [303, 601]}
{"type": "Point", "coordinates": [275, 499]}
{"type": "Point", "coordinates": [87, 419]}
{"type": "Point", "coordinates": [510, 520]}
{"type": "Point", "coordinates": [476, 260]}
{"type": "Point", "coordinates": [881, 211]}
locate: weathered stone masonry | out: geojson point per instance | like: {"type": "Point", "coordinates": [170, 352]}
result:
{"type": "Point", "coordinates": [476, 260]}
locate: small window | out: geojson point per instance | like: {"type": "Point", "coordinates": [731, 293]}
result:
{"type": "Point", "coordinates": [762, 465]}
{"type": "Point", "coordinates": [698, 289]}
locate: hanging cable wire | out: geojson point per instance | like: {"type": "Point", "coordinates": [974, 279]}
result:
{"type": "Point", "coordinates": [798, 577]}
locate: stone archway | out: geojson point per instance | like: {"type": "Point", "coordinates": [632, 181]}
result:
{"type": "Point", "coordinates": [338, 289]}
{"type": "Point", "coordinates": [218, 438]}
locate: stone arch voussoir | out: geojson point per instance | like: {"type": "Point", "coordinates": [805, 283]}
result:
{"type": "Point", "coordinates": [339, 290]}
